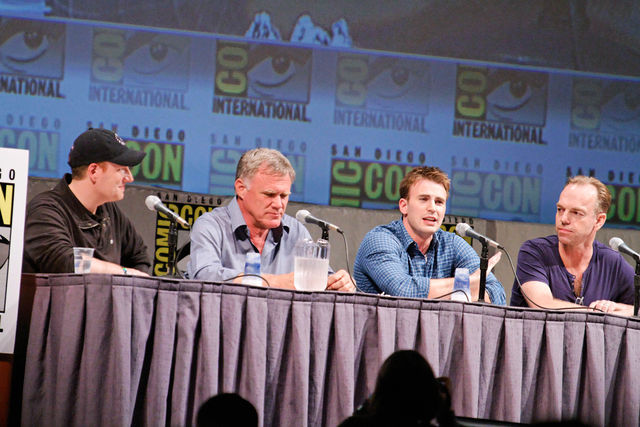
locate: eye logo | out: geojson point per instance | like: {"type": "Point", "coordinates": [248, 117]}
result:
{"type": "Point", "coordinates": [501, 95]}
{"type": "Point", "coordinates": [263, 71]}
{"type": "Point", "coordinates": [382, 83]}
{"type": "Point", "coordinates": [32, 48]}
{"type": "Point", "coordinates": [382, 93]}
{"type": "Point", "coordinates": [607, 106]}
{"type": "Point", "coordinates": [501, 105]}
{"type": "Point", "coordinates": [264, 81]}
{"type": "Point", "coordinates": [153, 68]}
{"type": "Point", "coordinates": [140, 58]}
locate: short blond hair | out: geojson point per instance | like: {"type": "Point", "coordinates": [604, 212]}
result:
{"type": "Point", "coordinates": [604, 196]}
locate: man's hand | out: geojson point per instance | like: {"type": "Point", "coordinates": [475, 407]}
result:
{"type": "Point", "coordinates": [340, 281]}
{"type": "Point", "coordinates": [106, 267]}
{"type": "Point", "coordinates": [284, 281]}
{"type": "Point", "coordinates": [134, 272]}
{"type": "Point", "coordinates": [474, 279]}
{"type": "Point", "coordinates": [612, 307]}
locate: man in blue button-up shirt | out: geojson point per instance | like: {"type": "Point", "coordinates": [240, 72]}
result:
{"type": "Point", "coordinates": [254, 221]}
{"type": "Point", "coordinates": [413, 257]}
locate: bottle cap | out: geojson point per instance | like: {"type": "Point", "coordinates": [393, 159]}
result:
{"type": "Point", "coordinates": [253, 257]}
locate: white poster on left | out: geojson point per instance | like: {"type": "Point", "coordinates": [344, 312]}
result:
{"type": "Point", "coordinates": [14, 173]}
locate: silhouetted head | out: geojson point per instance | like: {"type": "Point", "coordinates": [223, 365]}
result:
{"type": "Point", "coordinates": [406, 389]}
{"type": "Point", "coordinates": [227, 410]}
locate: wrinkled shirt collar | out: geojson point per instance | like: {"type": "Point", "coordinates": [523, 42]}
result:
{"type": "Point", "coordinates": [409, 244]}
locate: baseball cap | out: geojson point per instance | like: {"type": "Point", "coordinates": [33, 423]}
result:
{"type": "Point", "coordinates": [102, 145]}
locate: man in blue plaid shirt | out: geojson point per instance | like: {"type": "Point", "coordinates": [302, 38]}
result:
{"type": "Point", "coordinates": [413, 257]}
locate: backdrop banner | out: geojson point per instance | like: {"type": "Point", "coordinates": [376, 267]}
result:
{"type": "Point", "coordinates": [351, 121]}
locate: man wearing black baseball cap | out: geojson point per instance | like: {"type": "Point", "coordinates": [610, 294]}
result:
{"type": "Point", "coordinates": [79, 212]}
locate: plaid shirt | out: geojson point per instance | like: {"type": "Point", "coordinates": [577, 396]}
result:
{"type": "Point", "coordinates": [389, 261]}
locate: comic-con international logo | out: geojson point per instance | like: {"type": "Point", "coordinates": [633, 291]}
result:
{"type": "Point", "coordinates": [625, 203]}
{"type": "Point", "coordinates": [224, 161]}
{"type": "Point", "coordinates": [267, 81]}
{"type": "Point", "coordinates": [139, 68]}
{"type": "Point", "coordinates": [382, 92]}
{"type": "Point", "coordinates": [163, 164]}
{"type": "Point", "coordinates": [31, 57]}
{"type": "Point", "coordinates": [624, 187]}
{"type": "Point", "coordinates": [605, 115]}
{"type": "Point", "coordinates": [501, 104]}
{"type": "Point", "coordinates": [365, 183]}
{"type": "Point", "coordinates": [513, 196]}
{"type": "Point", "coordinates": [6, 214]}
{"type": "Point", "coordinates": [190, 211]}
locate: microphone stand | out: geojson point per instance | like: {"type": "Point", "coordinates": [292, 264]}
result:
{"type": "Point", "coordinates": [484, 265]}
{"type": "Point", "coordinates": [172, 239]}
{"type": "Point", "coordinates": [636, 285]}
{"type": "Point", "coordinates": [325, 232]}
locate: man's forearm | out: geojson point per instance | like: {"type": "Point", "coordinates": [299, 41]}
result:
{"type": "Point", "coordinates": [106, 267]}
{"type": "Point", "coordinates": [284, 281]}
{"type": "Point", "coordinates": [440, 287]}
{"type": "Point", "coordinates": [551, 303]}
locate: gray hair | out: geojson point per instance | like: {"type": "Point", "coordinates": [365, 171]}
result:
{"type": "Point", "coordinates": [273, 160]}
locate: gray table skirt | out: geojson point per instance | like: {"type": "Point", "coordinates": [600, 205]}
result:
{"type": "Point", "coordinates": [120, 350]}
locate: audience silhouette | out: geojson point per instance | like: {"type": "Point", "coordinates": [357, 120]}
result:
{"type": "Point", "coordinates": [406, 394]}
{"type": "Point", "coordinates": [227, 410]}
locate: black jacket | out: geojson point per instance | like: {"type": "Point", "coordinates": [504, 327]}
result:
{"type": "Point", "coordinates": [56, 222]}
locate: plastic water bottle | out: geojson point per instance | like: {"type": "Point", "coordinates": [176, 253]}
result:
{"type": "Point", "coordinates": [461, 283]}
{"type": "Point", "coordinates": [252, 266]}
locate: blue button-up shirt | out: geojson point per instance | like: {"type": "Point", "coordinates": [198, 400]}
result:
{"type": "Point", "coordinates": [390, 261]}
{"type": "Point", "coordinates": [220, 241]}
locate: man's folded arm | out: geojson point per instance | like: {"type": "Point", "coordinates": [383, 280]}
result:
{"type": "Point", "coordinates": [134, 251]}
{"type": "Point", "coordinates": [47, 241]}
{"type": "Point", "coordinates": [538, 295]}
{"type": "Point", "coordinates": [383, 262]}
{"type": "Point", "coordinates": [385, 269]}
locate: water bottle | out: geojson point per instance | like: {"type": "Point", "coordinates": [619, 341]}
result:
{"type": "Point", "coordinates": [252, 266]}
{"type": "Point", "coordinates": [461, 286]}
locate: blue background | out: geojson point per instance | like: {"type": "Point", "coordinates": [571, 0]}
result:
{"type": "Point", "coordinates": [351, 120]}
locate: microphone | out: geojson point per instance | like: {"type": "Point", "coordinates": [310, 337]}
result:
{"type": "Point", "coordinates": [155, 204]}
{"type": "Point", "coordinates": [465, 230]}
{"type": "Point", "coordinates": [617, 244]}
{"type": "Point", "coordinates": [303, 215]}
